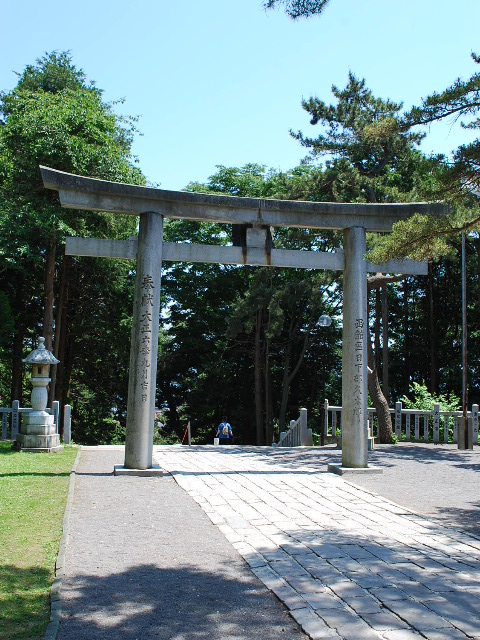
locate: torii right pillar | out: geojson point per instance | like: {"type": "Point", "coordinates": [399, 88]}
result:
{"type": "Point", "coordinates": [354, 353]}
{"type": "Point", "coordinates": [354, 357]}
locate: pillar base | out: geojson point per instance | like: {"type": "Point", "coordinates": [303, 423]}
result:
{"type": "Point", "coordinates": [153, 472]}
{"type": "Point", "coordinates": [344, 471]}
{"type": "Point", "coordinates": [56, 449]}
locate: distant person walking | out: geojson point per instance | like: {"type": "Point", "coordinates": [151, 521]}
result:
{"type": "Point", "coordinates": [224, 432]}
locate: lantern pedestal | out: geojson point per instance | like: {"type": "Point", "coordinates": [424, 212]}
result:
{"type": "Point", "coordinates": [38, 430]}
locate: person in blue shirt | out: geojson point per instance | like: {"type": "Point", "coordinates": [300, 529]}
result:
{"type": "Point", "coordinates": [224, 432]}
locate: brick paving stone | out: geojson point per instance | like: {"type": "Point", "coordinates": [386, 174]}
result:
{"type": "Point", "coordinates": [313, 625]}
{"type": "Point", "coordinates": [327, 574]}
{"type": "Point", "coordinates": [388, 594]}
{"type": "Point", "coordinates": [289, 596]}
{"type": "Point", "coordinates": [289, 567]}
{"type": "Point", "coordinates": [336, 618]}
{"type": "Point", "coordinates": [357, 631]}
{"type": "Point", "coordinates": [369, 580]}
{"type": "Point", "coordinates": [415, 590]}
{"type": "Point", "coordinates": [402, 634]}
{"type": "Point", "coordinates": [325, 600]}
{"type": "Point", "coordinates": [365, 604]}
{"type": "Point", "coordinates": [417, 615]}
{"type": "Point", "coordinates": [453, 634]}
{"type": "Point", "coordinates": [347, 589]}
{"type": "Point", "coordinates": [384, 621]}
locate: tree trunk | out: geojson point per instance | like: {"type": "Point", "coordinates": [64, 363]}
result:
{"type": "Point", "coordinates": [289, 376]}
{"type": "Point", "coordinates": [285, 389]}
{"type": "Point", "coordinates": [385, 382]}
{"type": "Point", "coordinates": [59, 321]}
{"type": "Point", "coordinates": [433, 334]}
{"type": "Point", "coordinates": [17, 365]}
{"type": "Point", "coordinates": [380, 402]}
{"type": "Point", "coordinates": [477, 249]}
{"type": "Point", "coordinates": [385, 432]}
{"type": "Point", "coordinates": [48, 299]}
{"type": "Point", "coordinates": [378, 315]}
{"type": "Point", "coordinates": [260, 439]}
{"type": "Point", "coordinates": [406, 340]}
{"type": "Point", "coordinates": [268, 397]}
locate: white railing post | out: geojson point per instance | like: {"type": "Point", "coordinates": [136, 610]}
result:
{"type": "Point", "coordinates": [56, 414]}
{"type": "Point", "coordinates": [4, 424]}
{"type": "Point", "coordinates": [325, 418]}
{"type": "Point", "coordinates": [303, 428]}
{"type": "Point", "coordinates": [426, 417]}
{"type": "Point", "coordinates": [15, 419]}
{"type": "Point", "coordinates": [407, 427]}
{"type": "Point", "coordinates": [475, 423]}
{"type": "Point", "coordinates": [436, 423]}
{"type": "Point", "coordinates": [67, 424]}
{"type": "Point", "coordinates": [398, 419]}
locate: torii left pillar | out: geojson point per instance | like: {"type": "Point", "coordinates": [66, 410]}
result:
{"type": "Point", "coordinates": [143, 350]}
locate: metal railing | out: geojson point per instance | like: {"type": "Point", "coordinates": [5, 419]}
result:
{"type": "Point", "coordinates": [415, 425]}
{"type": "Point", "coordinates": [11, 419]}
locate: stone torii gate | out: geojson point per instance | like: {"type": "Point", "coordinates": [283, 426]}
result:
{"type": "Point", "coordinates": [153, 205]}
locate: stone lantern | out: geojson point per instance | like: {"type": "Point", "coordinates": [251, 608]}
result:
{"type": "Point", "coordinates": [38, 431]}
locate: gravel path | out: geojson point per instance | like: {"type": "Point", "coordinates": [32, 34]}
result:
{"type": "Point", "coordinates": [144, 562]}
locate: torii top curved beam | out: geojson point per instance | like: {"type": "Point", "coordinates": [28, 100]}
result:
{"type": "Point", "coordinates": [79, 192]}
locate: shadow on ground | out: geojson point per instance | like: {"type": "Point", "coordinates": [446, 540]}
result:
{"type": "Point", "coordinates": [148, 602]}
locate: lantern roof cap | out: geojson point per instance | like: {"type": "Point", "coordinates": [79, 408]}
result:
{"type": "Point", "coordinates": [41, 355]}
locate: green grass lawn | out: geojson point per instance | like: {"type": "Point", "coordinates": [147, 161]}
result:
{"type": "Point", "coordinates": [33, 494]}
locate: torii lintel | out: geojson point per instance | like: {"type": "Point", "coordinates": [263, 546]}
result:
{"type": "Point", "coordinates": [79, 192]}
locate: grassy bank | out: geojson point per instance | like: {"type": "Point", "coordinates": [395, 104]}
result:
{"type": "Point", "coordinates": [33, 493]}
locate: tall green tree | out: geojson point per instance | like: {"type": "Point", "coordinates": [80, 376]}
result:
{"type": "Point", "coordinates": [245, 340]}
{"type": "Point", "coordinates": [54, 117]}
{"type": "Point", "coordinates": [371, 159]}
{"type": "Point", "coordinates": [298, 8]}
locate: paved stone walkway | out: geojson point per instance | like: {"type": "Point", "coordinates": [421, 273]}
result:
{"type": "Point", "coordinates": [347, 563]}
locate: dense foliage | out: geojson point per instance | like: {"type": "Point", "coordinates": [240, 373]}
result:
{"type": "Point", "coordinates": [240, 341]}
{"type": "Point", "coordinates": [55, 118]}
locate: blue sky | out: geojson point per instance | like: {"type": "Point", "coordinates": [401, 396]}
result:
{"type": "Point", "coordinates": [220, 81]}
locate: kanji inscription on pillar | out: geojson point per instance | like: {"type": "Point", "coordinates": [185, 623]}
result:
{"type": "Point", "coordinates": [146, 332]}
